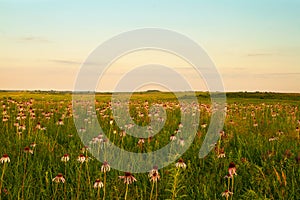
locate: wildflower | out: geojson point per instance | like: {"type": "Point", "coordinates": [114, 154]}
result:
{"type": "Point", "coordinates": [111, 121]}
{"type": "Point", "coordinates": [181, 142]}
{"type": "Point", "coordinates": [180, 125]}
{"type": "Point", "coordinates": [273, 139]}
{"type": "Point", "coordinates": [84, 149]}
{"type": "Point", "coordinates": [172, 137]}
{"type": "Point", "coordinates": [141, 141]}
{"type": "Point", "coordinates": [203, 125]}
{"type": "Point", "coordinates": [5, 119]}
{"type": "Point", "coordinates": [33, 145]}
{"type": "Point", "coordinates": [98, 184]}
{"type": "Point", "coordinates": [38, 126]}
{"type": "Point", "coordinates": [128, 178]}
{"type": "Point", "coordinates": [153, 170]}
{"type": "Point", "coordinates": [5, 159]}
{"type": "Point", "coordinates": [280, 132]}
{"type": "Point", "coordinates": [28, 150]}
{"type": "Point", "coordinates": [105, 167]}
{"type": "Point", "coordinates": [81, 158]}
{"type": "Point", "coordinates": [60, 122]}
{"type": "Point", "coordinates": [59, 178]}
{"type": "Point", "coordinates": [221, 153]}
{"type": "Point", "coordinates": [65, 158]}
{"type": "Point", "coordinates": [228, 176]}
{"type": "Point", "coordinates": [297, 129]}
{"type": "Point", "coordinates": [227, 193]}
{"type": "Point", "coordinates": [232, 169]}
{"type": "Point", "coordinates": [154, 177]}
{"type": "Point", "coordinates": [180, 164]}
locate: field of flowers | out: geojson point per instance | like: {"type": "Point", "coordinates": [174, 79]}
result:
{"type": "Point", "coordinates": [256, 157]}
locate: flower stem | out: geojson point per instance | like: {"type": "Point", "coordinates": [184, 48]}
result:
{"type": "Point", "coordinates": [156, 193]}
{"type": "Point", "coordinates": [152, 190]}
{"type": "Point", "coordinates": [78, 182]}
{"type": "Point", "coordinates": [2, 178]}
{"type": "Point", "coordinates": [126, 192]}
{"type": "Point", "coordinates": [98, 193]}
{"type": "Point", "coordinates": [104, 186]}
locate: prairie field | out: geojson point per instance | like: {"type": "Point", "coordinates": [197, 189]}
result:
{"type": "Point", "coordinates": [257, 155]}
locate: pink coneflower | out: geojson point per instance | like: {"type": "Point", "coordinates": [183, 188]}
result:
{"type": "Point", "coordinates": [154, 177]}
{"type": "Point", "coordinates": [203, 125]}
{"type": "Point", "coordinates": [33, 145]}
{"type": "Point", "coordinates": [228, 176]}
{"type": "Point", "coordinates": [128, 178]}
{"type": "Point", "coordinates": [221, 153]}
{"type": "Point", "coordinates": [172, 137]}
{"type": "Point", "coordinates": [60, 122]}
{"type": "Point", "coordinates": [5, 119]}
{"type": "Point", "coordinates": [153, 170]}
{"type": "Point", "coordinates": [180, 125]}
{"type": "Point", "coordinates": [98, 184]}
{"type": "Point", "coordinates": [59, 178]}
{"type": "Point", "coordinates": [180, 164]}
{"type": "Point", "coordinates": [5, 159]}
{"type": "Point", "coordinates": [105, 167]}
{"type": "Point", "coordinates": [28, 150]}
{"type": "Point", "coordinates": [141, 141]}
{"type": "Point", "coordinates": [122, 133]}
{"type": "Point", "coordinates": [273, 138]}
{"type": "Point", "coordinates": [232, 169]}
{"type": "Point", "coordinates": [22, 127]}
{"type": "Point", "coordinates": [65, 158]}
{"type": "Point", "coordinates": [84, 149]}
{"type": "Point", "coordinates": [81, 158]}
{"type": "Point", "coordinates": [227, 193]}
{"type": "Point", "coordinates": [38, 126]}
{"type": "Point", "coordinates": [181, 142]}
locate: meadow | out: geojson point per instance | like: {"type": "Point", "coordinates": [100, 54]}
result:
{"type": "Point", "coordinates": [256, 157]}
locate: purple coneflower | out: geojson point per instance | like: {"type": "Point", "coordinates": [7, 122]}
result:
{"type": "Point", "coordinates": [98, 184]}
{"type": "Point", "coordinates": [128, 178]}
{"type": "Point", "coordinates": [180, 164]}
{"type": "Point", "coordinates": [105, 167]}
{"type": "Point", "coordinates": [5, 159]}
{"type": "Point", "coordinates": [172, 137]}
{"type": "Point", "coordinates": [65, 158]}
{"type": "Point", "coordinates": [81, 158]}
{"type": "Point", "coordinates": [28, 150]}
{"type": "Point", "coordinates": [227, 193]}
{"type": "Point", "coordinates": [232, 169]}
{"type": "Point", "coordinates": [59, 178]}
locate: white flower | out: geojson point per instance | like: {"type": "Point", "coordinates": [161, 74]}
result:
{"type": "Point", "coordinates": [5, 159]}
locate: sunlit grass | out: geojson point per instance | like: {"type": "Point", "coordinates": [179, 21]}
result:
{"type": "Point", "coordinates": [260, 137]}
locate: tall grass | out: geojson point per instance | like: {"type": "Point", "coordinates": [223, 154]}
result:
{"type": "Point", "coordinates": [259, 136]}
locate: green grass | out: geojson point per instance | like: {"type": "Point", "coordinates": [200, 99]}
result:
{"type": "Point", "coordinates": [266, 169]}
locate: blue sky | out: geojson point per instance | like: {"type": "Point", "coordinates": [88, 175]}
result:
{"type": "Point", "coordinates": [254, 44]}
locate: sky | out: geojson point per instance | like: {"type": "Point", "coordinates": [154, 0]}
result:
{"type": "Point", "coordinates": [255, 45]}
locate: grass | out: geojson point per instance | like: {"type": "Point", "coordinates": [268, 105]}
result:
{"type": "Point", "coordinates": [260, 137]}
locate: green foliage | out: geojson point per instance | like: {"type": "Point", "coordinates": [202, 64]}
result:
{"type": "Point", "coordinates": [260, 137]}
